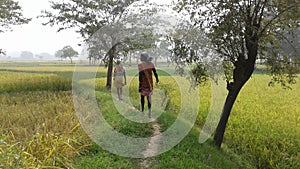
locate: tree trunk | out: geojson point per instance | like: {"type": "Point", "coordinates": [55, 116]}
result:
{"type": "Point", "coordinates": [231, 97]}
{"type": "Point", "coordinates": [241, 74]}
{"type": "Point", "coordinates": [244, 68]}
{"type": "Point", "coordinates": [110, 68]}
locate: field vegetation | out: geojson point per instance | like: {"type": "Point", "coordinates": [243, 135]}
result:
{"type": "Point", "coordinates": [39, 128]}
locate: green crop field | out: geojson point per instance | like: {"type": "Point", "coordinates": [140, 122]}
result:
{"type": "Point", "coordinates": [40, 129]}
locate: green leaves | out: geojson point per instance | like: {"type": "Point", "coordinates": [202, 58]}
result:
{"type": "Point", "coordinates": [87, 16]}
{"type": "Point", "coordinates": [10, 14]}
{"type": "Point", "coordinates": [236, 28]}
{"type": "Point", "coordinates": [66, 52]}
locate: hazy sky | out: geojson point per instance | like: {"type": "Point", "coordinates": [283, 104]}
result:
{"type": "Point", "coordinates": [37, 38]}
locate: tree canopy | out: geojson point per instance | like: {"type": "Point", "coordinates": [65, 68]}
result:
{"type": "Point", "coordinates": [66, 52]}
{"type": "Point", "coordinates": [10, 14]}
{"type": "Point", "coordinates": [115, 18]}
{"type": "Point", "coordinates": [86, 16]}
{"type": "Point", "coordinates": [239, 32]}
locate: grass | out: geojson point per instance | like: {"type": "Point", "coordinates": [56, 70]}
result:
{"type": "Point", "coordinates": [264, 124]}
{"type": "Point", "coordinates": [25, 82]}
{"type": "Point", "coordinates": [39, 127]}
{"type": "Point", "coordinates": [188, 154]}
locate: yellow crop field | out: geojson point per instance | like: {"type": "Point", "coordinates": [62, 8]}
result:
{"type": "Point", "coordinates": [39, 127]}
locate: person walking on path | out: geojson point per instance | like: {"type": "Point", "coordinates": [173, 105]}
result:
{"type": "Point", "coordinates": [119, 78]}
{"type": "Point", "coordinates": [146, 67]}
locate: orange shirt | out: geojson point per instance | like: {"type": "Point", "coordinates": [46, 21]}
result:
{"type": "Point", "coordinates": [145, 76]}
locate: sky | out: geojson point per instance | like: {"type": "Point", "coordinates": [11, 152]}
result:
{"type": "Point", "coordinates": [35, 37]}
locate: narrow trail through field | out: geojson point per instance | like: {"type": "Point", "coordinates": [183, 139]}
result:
{"type": "Point", "coordinates": [154, 142]}
{"type": "Point", "coordinates": [153, 145]}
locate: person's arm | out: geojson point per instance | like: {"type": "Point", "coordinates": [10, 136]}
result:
{"type": "Point", "coordinates": [124, 77]}
{"type": "Point", "coordinates": [140, 80]}
{"type": "Point", "coordinates": [114, 74]}
{"type": "Point", "coordinates": [155, 74]}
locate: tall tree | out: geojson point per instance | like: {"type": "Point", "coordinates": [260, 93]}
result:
{"type": "Point", "coordinates": [90, 16]}
{"type": "Point", "coordinates": [27, 55]}
{"type": "Point", "coordinates": [241, 30]}
{"type": "Point", "coordinates": [59, 54]}
{"type": "Point", "coordinates": [10, 14]}
{"type": "Point", "coordinates": [67, 52]}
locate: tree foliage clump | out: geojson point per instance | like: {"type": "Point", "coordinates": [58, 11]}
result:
{"type": "Point", "coordinates": [66, 52]}
{"type": "Point", "coordinates": [10, 14]}
{"type": "Point", "coordinates": [119, 21]}
{"type": "Point", "coordinates": [240, 32]}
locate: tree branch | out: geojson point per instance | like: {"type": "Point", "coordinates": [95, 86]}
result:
{"type": "Point", "coordinates": [273, 19]}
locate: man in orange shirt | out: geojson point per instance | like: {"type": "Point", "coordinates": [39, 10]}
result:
{"type": "Point", "coordinates": [146, 67]}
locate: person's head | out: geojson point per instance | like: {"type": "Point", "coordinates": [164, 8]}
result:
{"type": "Point", "coordinates": [144, 56]}
{"type": "Point", "coordinates": [118, 62]}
